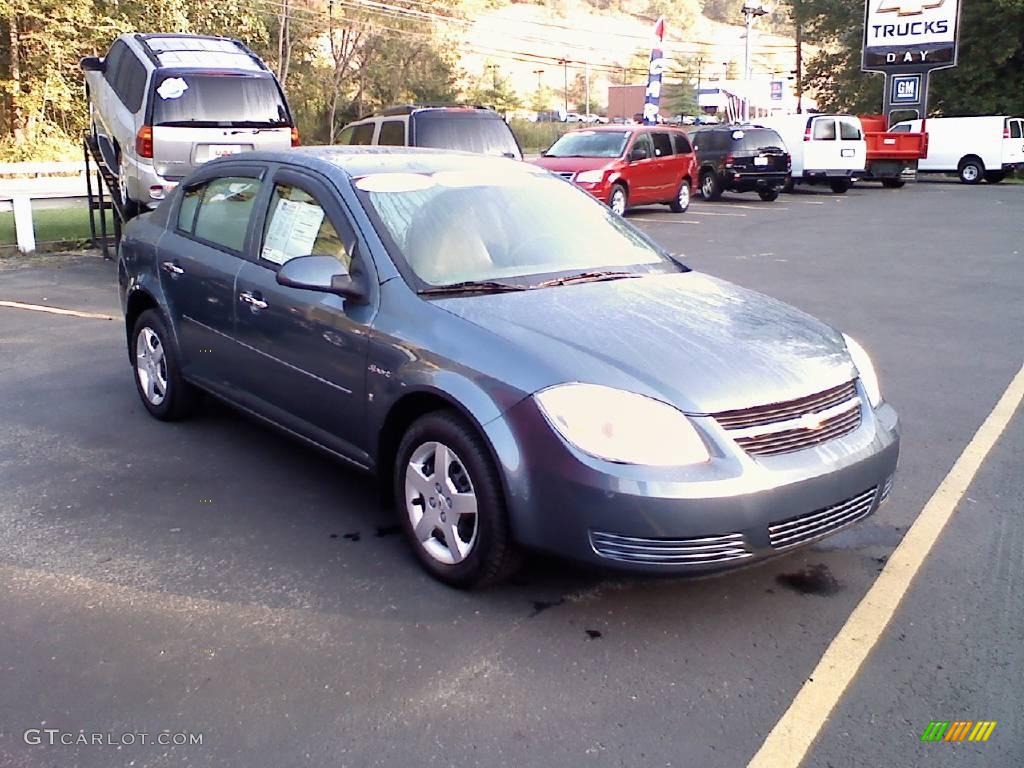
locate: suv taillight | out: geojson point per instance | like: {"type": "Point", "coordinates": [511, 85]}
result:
{"type": "Point", "coordinates": [295, 137]}
{"type": "Point", "coordinates": [728, 161]}
{"type": "Point", "coordinates": [144, 141]}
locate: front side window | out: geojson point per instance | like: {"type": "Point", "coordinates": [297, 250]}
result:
{"type": "Point", "coordinates": [589, 144]}
{"type": "Point", "coordinates": [662, 144]}
{"type": "Point", "coordinates": [298, 226]}
{"type": "Point", "coordinates": [224, 208]}
{"type": "Point", "coordinates": [643, 141]}
{"type": "Point", "coordinates": [824, 130]}
{"type": "Point", "coordinates": [217, 101]}
{"type": "Point", "coordinates": [455, 226]}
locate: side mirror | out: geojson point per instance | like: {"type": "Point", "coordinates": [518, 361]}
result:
{"type": "Point", "coordinates": [638, 153]}
{"type": "Point", "coordinates": [320, 273]}
{"type": "Point", "coordinates": [92, 64]}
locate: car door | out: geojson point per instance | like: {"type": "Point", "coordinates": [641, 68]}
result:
{"type": "Point", "coordinates": [642, 174]}
{"type": "Point", "coordinates": [852, 146]}
{"type": "Point", "coordinates": [667, 175]}
{"type": "Point", "coordinates": [305, 350]}
{"type": "Point", "coordinates": [1013, 143]}
{"type": "Point", "coordinates": [198, 259]}
{"type": "Point", "coordinates": [822, 151]}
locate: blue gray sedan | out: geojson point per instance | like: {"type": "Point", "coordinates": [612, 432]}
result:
{"type": "Point", "coordinates": [520, 366]}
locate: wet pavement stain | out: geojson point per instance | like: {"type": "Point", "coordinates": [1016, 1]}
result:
{"type": "Point", "coordinates": [334, 535]}
{"type": "Point", "coordinates": [812, 580]}
{"type": "Point", "coordinates": [387, 530]}
{"type": "Point", "coordinates": [354, 536]}
{"type": "Point", "coordinates": [539, 606]}
{"type": "Point", "coordinates": [592, 634]}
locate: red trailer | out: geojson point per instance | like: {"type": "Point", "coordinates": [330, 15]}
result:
{"type": "Point", "coordinates": [891, 156]}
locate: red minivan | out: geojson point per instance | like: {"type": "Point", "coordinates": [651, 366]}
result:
{"type": "Point", "coordinates": [627, 165]}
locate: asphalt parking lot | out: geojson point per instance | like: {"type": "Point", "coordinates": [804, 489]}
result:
{"type": "Point", "coordinates": [211, 577]}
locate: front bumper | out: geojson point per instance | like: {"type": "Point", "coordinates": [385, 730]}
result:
{"type": "Point", "coordinates": [730, 512]}
{"type": "Point", "coordinates": [602, 190]}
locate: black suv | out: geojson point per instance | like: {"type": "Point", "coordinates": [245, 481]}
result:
{"type": "Point", "coordinates": [740, 159]}
{"type": "Point", "coordinates": [471, 129]}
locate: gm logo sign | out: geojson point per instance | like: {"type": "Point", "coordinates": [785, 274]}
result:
{"type": "Point", "coordinates": [906, 89]}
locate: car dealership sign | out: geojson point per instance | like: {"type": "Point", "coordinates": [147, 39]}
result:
{"type": "Point", "coordinates": [910, 34]}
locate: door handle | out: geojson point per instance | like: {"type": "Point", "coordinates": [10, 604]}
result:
{"type": "Point", "coordinates": [172, 269]}
{"type": "Point", "coordinates": [253, 301]}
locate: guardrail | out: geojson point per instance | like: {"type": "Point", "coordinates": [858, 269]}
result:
{"type": "Point", "coordinates": [21, 183]}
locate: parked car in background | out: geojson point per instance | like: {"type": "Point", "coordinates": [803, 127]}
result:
{"type": "Point", "coordinates": [974, 148]}
{"type": "Point", "coordinates": [574, 117]}
{"type": "Point", "coordinates": [467, 128]}
{"type": "Point", "coordinates": [740, 159]}
{"type": "Point", "coordinates": [825, 149]}
{"type": "Point", "coordinates": [523, 368]}
{"type": "Point", "coordinates": [160, 105]}
{"type": "Point", "coordinates": [623, 166]}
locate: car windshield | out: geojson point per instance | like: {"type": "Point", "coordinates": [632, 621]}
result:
{"type": "Point", "coordinates": [470, 133]}
{"type": "Point", "coordinates": [228, 101]}
{"type": "Point", "coordinates": [456, 227]}
{"type": "Point", "coordinates": [589, 144]}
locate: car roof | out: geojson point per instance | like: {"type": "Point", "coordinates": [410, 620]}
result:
{"type": "Point", "coordinates": [365, 160]}
{"type": "Point", "coordinates": [620, 127]}
{"type": "Point", "coordinates": [184, 52]}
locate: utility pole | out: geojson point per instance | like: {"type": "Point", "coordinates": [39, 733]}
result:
{"type": "Point", "coordinates": [696, 100]}
{"type": "Point", "coordinates": [494, 75]}
{"type": "Point", "coordinates": [750, 12]}
{"type": "Point", "coordinates": [799, 67]}
{"type": "Point", "coordinates": [565, 82]}
{"type": "Point", "coordinates": [586, 87]}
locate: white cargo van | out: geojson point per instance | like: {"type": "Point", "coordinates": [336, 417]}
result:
{"type": "Point", "coordinates": [974, 148]}
{"type": "Point", "coordinates": [825, 149]}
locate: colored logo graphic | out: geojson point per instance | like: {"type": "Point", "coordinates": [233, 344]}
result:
{"type": "Point", "coordinates": [908, 7]}
{"type": "Point", "coordinates": [958, 730]}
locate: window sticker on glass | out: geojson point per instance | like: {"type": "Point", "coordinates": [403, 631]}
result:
{"type": "Point", "coordinates": [292, 231]}
{"type": "Point", "coordinates": [172, 88]}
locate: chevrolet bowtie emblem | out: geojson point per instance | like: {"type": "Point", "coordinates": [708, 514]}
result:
{"type": "Point", "coordinates": [908, 7]}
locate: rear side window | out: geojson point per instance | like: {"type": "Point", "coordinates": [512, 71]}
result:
{"type": "Point", "coordinates": [224, 207]}
{"type": "Point", "coordinates": [392, 133]}
{"type": "Point", "coordinates": [681, 144]}
{"type": "Point", "coordinates": [662, 144]}
{"type": "Point", "coordinates": [1015, 129]}
{"type": "Point", "coordinates": [112, 63]}
{"type": "Point", "coordinates": [131, 82]}
{"type": "Point", "coordinates": [824, 130]}
{"type": "Point", "coordinates": [849, 131]}
{"type": "Point", "coordinates": [904, 128]}
{"type": "Point", "coordinates": [218, 101]}
{"type": "Point", "coordinates": [356, 134]}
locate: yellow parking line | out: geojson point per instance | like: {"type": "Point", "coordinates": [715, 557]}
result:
{"type": "Point", "coordinates": [791, 738]}
{"type": "Point", "coordinates": [55, 310]}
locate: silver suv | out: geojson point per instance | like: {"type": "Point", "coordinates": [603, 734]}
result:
{"type": "Point", "coordinates": [163, 104]}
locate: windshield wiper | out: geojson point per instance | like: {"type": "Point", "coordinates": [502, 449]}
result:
{"type": "Point", "coordinates": [586, 277]}
{"type": "Point", "coordinates": [473, 286]}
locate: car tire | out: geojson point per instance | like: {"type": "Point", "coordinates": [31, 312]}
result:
{"type": "Point", "coordinates": [788, 185]}
{"type": "Point", "coordinates": [971, 170]}
{"type": "Point", "coordinates": [618, 200]}
{"type": "Point", "coordinates": [768, 195]}
{"type": "Point", "coordinates": [129, 207]}
{"type": "Point", "coordinates": [840, 186]}
{"type": "Point", "coordinates": [893, 183]}
{"type": "Point", "coordinates": [164, 393]}
{"type": "Point", "coordinates": [682, 200]}
{"type": "Point", "coordinates": [484, 553]}
{"type": "Point", "coordinates": [710, 186]}
{"type": "Point", "coordinates": [994, 177]}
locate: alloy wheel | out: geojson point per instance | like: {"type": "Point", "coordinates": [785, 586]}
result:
{"type": "Point", "coordinates": [151, 365]}
{"type": "Point", "coordinates": [441, 503]}
{"type": "Point", "coordinates": [708, 187]}
{"type": "Point", "coordinates": [618, 203]}
{"type": "Point", "coordinates": [684, 195]}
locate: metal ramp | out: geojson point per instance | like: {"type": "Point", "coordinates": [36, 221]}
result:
{"type": "Point", "coordinates": [98, 177]}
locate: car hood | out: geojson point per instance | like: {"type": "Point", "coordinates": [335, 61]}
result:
{"type": "Point", "coordinates": [701, 343]}
{"type": "Point", "coordinates": [573, 164]}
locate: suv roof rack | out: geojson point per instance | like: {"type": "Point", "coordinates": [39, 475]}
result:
{"type": "Point", "coordinates": [182, 51]}
{"type": "Point", "coordinates": [408, 109]}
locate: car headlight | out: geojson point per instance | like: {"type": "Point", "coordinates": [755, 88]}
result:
{"type": "Point", "coordinates": [590, 177]}
{"type": "Point", "coordinates": [621, 426]}
{"type": "Point", "coordinates": [865, 369]}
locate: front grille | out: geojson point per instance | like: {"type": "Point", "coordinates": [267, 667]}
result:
{"type": "Point", "coordinates": [769, 430]}
{"type": "Point", "coordinates": [822, 522]}
{"type": "Point", "coordinates": [566, 174]}
{"type": "Point", "coordinates": [886, 489]}
{"type": "Point", "coordinates": [708, 550]}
